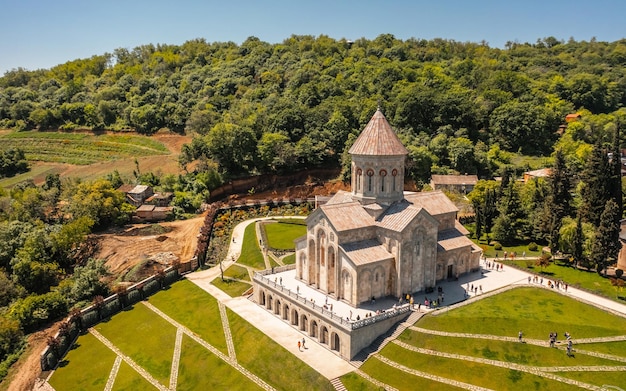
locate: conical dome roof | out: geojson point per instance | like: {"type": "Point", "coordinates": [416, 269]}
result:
{"type": "Point", "coordinates": [378, 139]}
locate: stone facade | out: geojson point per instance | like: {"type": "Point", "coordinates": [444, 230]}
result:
{"type": "Point", "coordinates": [377, 240]}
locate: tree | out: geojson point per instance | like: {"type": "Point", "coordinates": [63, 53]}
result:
{"type": "Point", "coordinates": [594, 191]}
{"type": "Point", "coordinates": [615, 170]}
{"type": "Point", "coordinates": [98, 201]}
{"type": "Point", "coordinates": [607, 245]}
{"type": "Point", "coordinates": [543, 260]}
{"type": "Point", "coordinates": [558, 202]}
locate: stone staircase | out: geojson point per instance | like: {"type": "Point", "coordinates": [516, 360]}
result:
{"type": "Point", "coordinates": [384, 339]}
{"type": "Point", "coordinates": [338, 385]}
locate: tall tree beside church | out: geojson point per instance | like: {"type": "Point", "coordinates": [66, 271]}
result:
{"type": "Point", "coordinates": [559, 200]}
{"type": "Point", "coordinates": [579, 240]}
{"type": "Point", "coordinates": [595, 191]}
{"type": "Point", "coordinates": [607, 245]}
{"type": "Point", "coordinates": [615, 168]}
{"type": "Point", "coordinates": [506, 225]}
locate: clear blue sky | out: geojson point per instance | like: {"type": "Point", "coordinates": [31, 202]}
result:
{"type": "Point", "coordinates": [43, 33]}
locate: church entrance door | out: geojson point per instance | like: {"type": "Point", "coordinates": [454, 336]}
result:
{"type": "Point", "coordinates": [450, 273]}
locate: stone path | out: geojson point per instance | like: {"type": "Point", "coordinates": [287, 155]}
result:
{"type": "Point", "coordinates": [260, 382]}
{"type": "Point", "coordinates": [113, 374]}
{"type": "Point", "coordinates": [539, 371]}
{"type": "Point", "coordinates": [128, 360]}
{"type": "Point", "coordinates": [176, 359]}
{"type": "Point", "coordinates": [229, 336]}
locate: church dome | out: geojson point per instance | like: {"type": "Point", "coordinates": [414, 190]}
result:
{"type": "Point", "coordinates": [378, 139]}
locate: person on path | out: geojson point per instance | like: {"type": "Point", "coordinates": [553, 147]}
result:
{"type": "Point", "coordinates": [299, 349]}
{"type": "Point", "coordinates": [519, 336]}
{"type": "Point", "coordinates": [303, 346]}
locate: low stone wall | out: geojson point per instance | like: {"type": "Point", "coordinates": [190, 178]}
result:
{"type": "Point", "coordinates": [93, 314]}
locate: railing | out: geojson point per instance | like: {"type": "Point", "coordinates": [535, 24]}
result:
{"type": "Point", "coordinates": [325, 313]}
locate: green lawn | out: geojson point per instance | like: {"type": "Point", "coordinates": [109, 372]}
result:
{"type": "Point", "coordinates": [200, 369]}
{"type": "Point", "coordinates": [588, 280]}
{"type": "Point", "coordinates": [613, 348]}
{"type": "Point", "coordinates": [128, 379]}
{"type": "Point", "coordinates": [85, 367]}
{"type": "Point", "coordinates": [280, 235]}
{"type": "Point", "coordinates": [191, 306]}
{"type": "Point", "coordinates": [400, 379]}
{"type": "Point", "coordinates": [354, 382]}
{"type": "Point", "coordinates": [290, 259]}
{"type": "Point", "coordinates": [599, 379]}
{"type": "Point", "coordinates": [250, 253]}
{"type": "Point", "coordinates": [270, 361]}
{"type": "Point", "coordinates": [145, 337]}
{"type": "Point", "coordinates": [514, 352]}
{"type": "Point", "coordinates": [537, 312]}
{"type": "Point", "coordinates": [232, 288]}
{"type": "Point", "coordinates": [491, 252]}
{"type": "Point", "coordinates": [483, 375]}
{"type": "Point", "coordinates": [237, 272]}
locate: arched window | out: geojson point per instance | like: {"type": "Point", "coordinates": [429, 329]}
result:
{"type": "Point", "coordinates": [383, 174]}
{"type": "Point", "coordinates": [370, 174]}
{"type": "Point", "coordinates": [394, 174]}
{"type": "Point", "coordinates": [359, 173]}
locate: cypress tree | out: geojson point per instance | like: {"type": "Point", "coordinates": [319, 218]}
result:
{"type": "Point", "coordinates": [579, 240]}
{"type": "Point", "coordinates": [595, 191]}
{"type": "Point", "coordinates": [606, 246]}
{"type": "Point", "coordinates": [559, 199]}
{"type": "Point", "coordinates": [615, 170]}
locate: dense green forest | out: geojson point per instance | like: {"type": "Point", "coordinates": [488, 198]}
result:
{"type": "Point", "coordinates": [259, 107]}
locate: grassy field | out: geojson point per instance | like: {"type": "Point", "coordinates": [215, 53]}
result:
{"type": "Point", "coordinates": [280, 235]}
{"type": "Point", "coordinates": [232, 288]}
{"type": "Point", "coordinates": [145, 337]}
{"type": "Point", "coordinates": [270, 361]}
{"type": "Point", "coordinates": [79, 370]}
{"type": "Point", "coordinates": [250, 253]}
{"type": "Point", "coordinates": [80, 148]}
{"type": "Point", "coordinates": [190, 306]}
{"type": "Point", "coordinates": [588, 280]}
{"type": "Point", "coordinates": [128, 379]}
{"type": "Point", "coordinates": [535, 311]}
{"type": "Point", "coordinates": [237, 272]}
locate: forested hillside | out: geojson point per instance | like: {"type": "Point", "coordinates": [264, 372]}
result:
{"type": "Point", "coordinates": [259, 107]}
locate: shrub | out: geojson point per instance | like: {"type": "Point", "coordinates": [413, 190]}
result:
{"type": "Point", "coordinates": [36, 310]}
{"type": "Point", "coordinates": [532, 246]}
{"type": "Point", "coordinates": [619, 273]}
{"type": "Point", "coordinates": [134, 296]}
{"type": "Point", "coordinates": [90, 318]}
{"type": "Point", "coordinates": [497, 246]}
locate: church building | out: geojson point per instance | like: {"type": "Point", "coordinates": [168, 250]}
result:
{"type": "Point", "coordinates": [378, 240]}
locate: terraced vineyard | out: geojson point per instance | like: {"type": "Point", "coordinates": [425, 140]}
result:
{"type": "Point", "coordinates": [81, 148]}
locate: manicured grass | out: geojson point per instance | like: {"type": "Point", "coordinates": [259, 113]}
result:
{"type": "Point", "coordinates": [85, 367]}
{"type": "Point", "coordinates": [613, 348]}
{"type": "Point", "coordinates": [290, 259]}
{"type": "Point", "coordinates": [237, 272]}
{"type": "Point", "coordinates": [232, 288]}
{"type": "Point", "coordinates": [191, 306]}
{"type": "Point", "coordinates": [537, 312]}
{"type": "Point", "coordinates": [200, 369]}
{"type": "Point", "coordinates": [354, 382]}
{"type": "Point", "coordinates": [270, 361]}
{"type": "Point", "coordinates": [599, 379]}
{"type": "Point", "coordinates": [250, 253]}
{"type": "Point", "coordinates": [280, 235]}
{"type": "Point", "coordinates": [483, 375]}
{"type": "Point", "coordinates": [491, 252]}
{"type": "Point", "coordinates": [128, 379]}
{"type": "Point", "coordinates": [400, 379]}
{"type": "Point", "coordinates": [588, 280]}
{"type": "Point", "coordinates": [80, 148]}
{"type": "Point", "coordinates": [145, 337]}
{"type": "Point", "coordinates": [514, 352]}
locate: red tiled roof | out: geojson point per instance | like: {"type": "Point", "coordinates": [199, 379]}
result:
{"type": "Point", "coordinates": [378, 138]}
{"type": "Point", "coordinates": [366, 251]}
{"type": "Point", "coordinates": [454, 179]}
